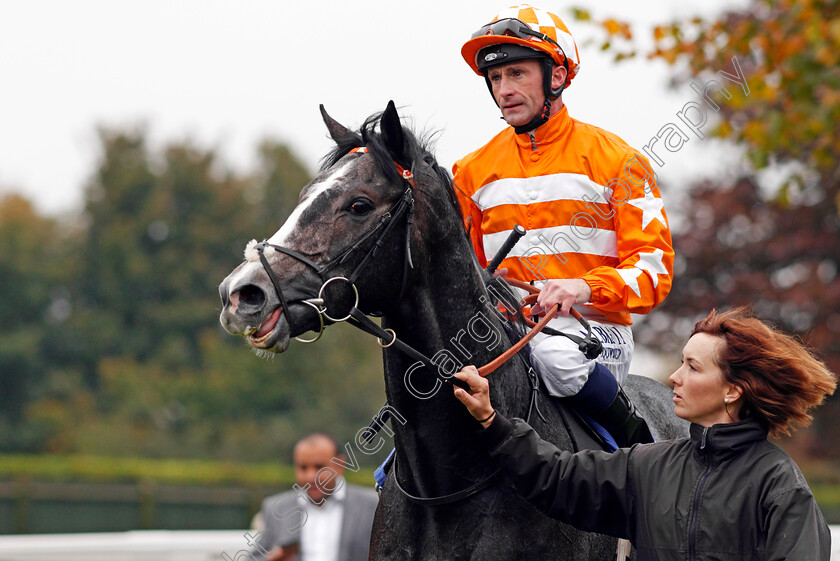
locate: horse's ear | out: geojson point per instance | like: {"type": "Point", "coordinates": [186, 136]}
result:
{"type": "Point", "coordinates": [338, 132]}
{"type": "Point", "coordinates": [392, 132]}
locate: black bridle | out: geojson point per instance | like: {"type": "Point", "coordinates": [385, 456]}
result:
{"type": "Point", "coordinates": [386, 223]}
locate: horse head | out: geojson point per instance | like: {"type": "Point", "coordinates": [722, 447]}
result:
{"type": "Point", "coordinates": [376, 189]}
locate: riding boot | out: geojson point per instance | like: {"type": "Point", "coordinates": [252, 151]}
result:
{"type": "Point", "coordinates": [603, 399]}
{"type": "Point", "coordinates": [624, 422]}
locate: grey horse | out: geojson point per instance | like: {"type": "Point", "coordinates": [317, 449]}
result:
{"type": "Point", "coordinates": [379, 232]}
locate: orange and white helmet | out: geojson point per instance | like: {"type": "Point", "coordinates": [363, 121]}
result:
{"type": "Point", "coordinates": [528, 27]}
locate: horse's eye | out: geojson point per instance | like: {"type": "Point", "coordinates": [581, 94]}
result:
{"type": "Point", "coordinates": [360, 207]}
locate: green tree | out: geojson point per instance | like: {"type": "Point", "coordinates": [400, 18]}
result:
{"type": "Point", "coordinates": [156, 232]}
{"type": "Point", "coordinates": [34, 297]}
{"type": "Point", "coordinates": [138, 364]}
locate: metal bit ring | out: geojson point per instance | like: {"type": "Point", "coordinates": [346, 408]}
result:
{"type": "Point", "coordinates": [320, 319]}
{"type": "Point", "coordinates": [321, 296]}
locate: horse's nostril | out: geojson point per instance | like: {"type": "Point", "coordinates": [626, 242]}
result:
{"type": "Point", "coordinates": [251, 295]}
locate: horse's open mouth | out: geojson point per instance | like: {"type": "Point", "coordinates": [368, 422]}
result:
{"type": "Point", "coordinates": [266, 330]}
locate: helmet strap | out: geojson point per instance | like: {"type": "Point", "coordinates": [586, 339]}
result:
{"type": "Point", "coordinates": [490, 88]}
{"type": "Point", "coordinates": [548, 69]}
{"type": "Point", "coordinates": [540, 119]}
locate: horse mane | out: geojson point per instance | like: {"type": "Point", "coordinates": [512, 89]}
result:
{"type": "Point", "coordinates": [418, 151]}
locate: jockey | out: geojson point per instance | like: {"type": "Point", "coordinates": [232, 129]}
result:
{"type": "Point", "coordinates": [598, 237]}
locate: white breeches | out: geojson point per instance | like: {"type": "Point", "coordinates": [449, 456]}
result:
{"type": "Point", "coordinates": [564, 369]}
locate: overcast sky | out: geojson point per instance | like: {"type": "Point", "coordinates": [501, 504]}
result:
{"type": "Point", "coordinates": [227, 74]}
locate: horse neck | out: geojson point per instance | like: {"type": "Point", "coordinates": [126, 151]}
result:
{"type": "Point", "coordinates": [446, 317]}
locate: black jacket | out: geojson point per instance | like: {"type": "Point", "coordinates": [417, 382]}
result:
{"type": "Point", "coordinates": [725, 493]}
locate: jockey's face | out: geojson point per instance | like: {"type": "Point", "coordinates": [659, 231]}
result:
{"type": "Point", "coordinates": [518, 89]}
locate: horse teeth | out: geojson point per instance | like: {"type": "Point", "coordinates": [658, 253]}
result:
{"type": "Point", "coordinates": [260, 339]}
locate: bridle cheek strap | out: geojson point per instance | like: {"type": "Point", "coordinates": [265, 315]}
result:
{"type": "Point", "coordinates": [408, 177]}
{"type": "Point", "coordinates": [385, 223]}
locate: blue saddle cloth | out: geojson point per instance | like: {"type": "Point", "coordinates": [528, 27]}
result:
{"type": "Point", "coordinates": [381, 473]}
{"type": "Point", "coordinates": [609, 441]}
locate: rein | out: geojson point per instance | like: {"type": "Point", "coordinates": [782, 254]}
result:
{"type": "Point", "coordinates": [476, 487]}
{"type": "Point", "coordinates": [590, 346]}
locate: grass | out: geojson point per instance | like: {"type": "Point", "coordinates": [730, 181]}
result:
{"type": "Point", "coordinates": [167, 471]}
{"type": "Point", "coordinates": [823, 478]}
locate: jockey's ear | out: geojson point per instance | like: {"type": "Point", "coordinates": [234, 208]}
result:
{"type": "Point", "coordinates": [338, 132]}
{"type": "Point", "coordinates": [392, 133]}
{"type": "Point", "coordinates": [558, 76]}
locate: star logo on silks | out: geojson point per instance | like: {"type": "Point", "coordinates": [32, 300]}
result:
{"type": "Point", "coordinates": [631, 279]}
{"type": "Point", "coordinates": [651, 263]}
{"type": "Point", "coordinates": [650, 206]}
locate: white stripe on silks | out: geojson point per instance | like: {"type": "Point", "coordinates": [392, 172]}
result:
{"type": "Point", "coordinates": [554, 240]}
{"type": "Point", "coordinates": [541, 189]}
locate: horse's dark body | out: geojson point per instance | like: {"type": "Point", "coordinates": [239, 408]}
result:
{"type": "Point", "coordinates": [444, 308]}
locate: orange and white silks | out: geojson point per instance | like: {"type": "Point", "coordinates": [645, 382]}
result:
{"type": "Point", "coordinates": [591, 207]}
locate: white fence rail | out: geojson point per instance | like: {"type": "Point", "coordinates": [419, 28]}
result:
{"type": "Point", "coordinates": [141, 545]}
{"type": "Point", "coordinates": [157, 545]}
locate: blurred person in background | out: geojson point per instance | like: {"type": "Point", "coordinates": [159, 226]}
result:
{"type": "Point", "coordinates": [323, 518]}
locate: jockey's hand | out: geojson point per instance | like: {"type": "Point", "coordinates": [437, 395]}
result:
{"type": "Point", "coordinates": [564, 292]}
{"type": "Point", "coordinates": [501, 272]}
{"type": "Point", "coordinates": [477, 400]}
